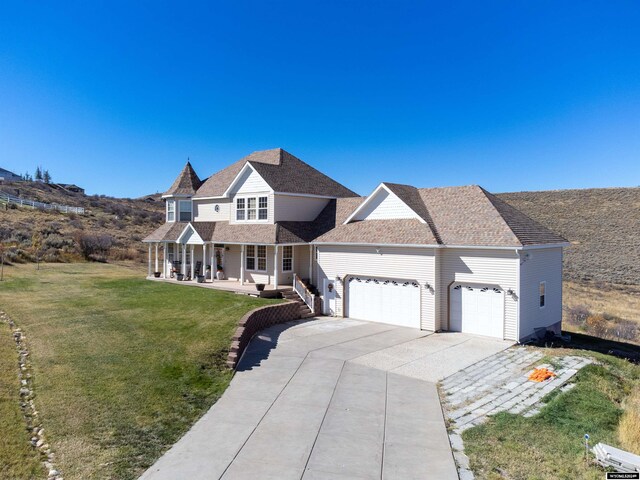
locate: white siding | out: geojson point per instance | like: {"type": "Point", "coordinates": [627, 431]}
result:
{"type": "Point", "coordinates": [250, 182]}
{"type": "Point", "coordinates": [232, 262]}
{"type": "Point", "coordinates": [296, 208]}
{"type": "Point", "coordinates": [540, 265]}
{"type": "Point", "coordinates": [393, 262]}
{"type": "Point", "coordinates": [385, 205]}
{"type": "Point", "coordinates": [204, 210]}
{"type": "Point", "coordinates": [484, 267]}
{"type": "Point", "coordinates": [301, 260]}
{"type": "Point", "coordinates": [232, 266]}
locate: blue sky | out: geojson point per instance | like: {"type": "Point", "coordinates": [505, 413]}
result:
{"type": "Point", "coordinates": [114, 96]}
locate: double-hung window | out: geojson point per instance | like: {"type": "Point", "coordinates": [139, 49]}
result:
{"type": "Point", "coordinates": [252, 208]}
{"type": "Point", "coordinates": [287, 259]}
{"type": "Point", "coordinates": [171, 210]}
{"type": "Point", "coordinates": [256, 258]}
{"type": "Point", "coordinates": [262, 208]}
{"type": "Point", "coordinates": [542, 292]}
{"type": "Point", "coordinates": [262, 258]}
{"type": "Point", "coordinates": [240, 209]}
{"type": "Point", "coordinates": [251, 257]}
{"type": "Point", "coordinates": [185, 210]}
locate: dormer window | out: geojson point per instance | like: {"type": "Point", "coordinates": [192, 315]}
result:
{"type": "Point", "coordinates": [252, 208]}
{"type": "Point", "coordinates": [171, 211]}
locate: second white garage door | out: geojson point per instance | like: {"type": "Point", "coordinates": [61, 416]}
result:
{"type": "Point", "coordinates": [477, 309]}
{"type": "Point", "coordinates": [383, 300]}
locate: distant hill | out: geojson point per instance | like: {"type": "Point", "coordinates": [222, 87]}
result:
{"type": "Point", "coordinates": [602, 224]}
{"type": "Point", "coordinates": [111, 229]}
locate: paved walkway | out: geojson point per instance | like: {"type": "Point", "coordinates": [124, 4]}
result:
{"type": "Point", "coordinates": [330, 399]}
{"type": "Point", "coordinates": [497, 384]}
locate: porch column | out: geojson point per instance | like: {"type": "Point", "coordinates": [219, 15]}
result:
{"type": "Point", "coordinates": [311, 265]}
{"type": "Point", "coordinates": [156, 270]}
{"type": "Point", "coordinates": [149, 259]}
{"type": "Point", "coordinates": [242, 264]}
{"type": "Point", "coordinates": [184, 259]}
{"type": "Point", "coordinates": [275, 267]}
{"type": "Point", "coordinates": [204, 261]}
{"type": "Point", "coordinates": [193, 269]}
{"type": "Point", "coordinates": [164, 260]}
{"type": "Point", "coordinates": [214, 262]}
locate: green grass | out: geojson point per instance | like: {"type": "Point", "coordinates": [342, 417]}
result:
{"type": "Point", "coordinates": [17, 459]}
{"type": "Point", "coordinates": [123, 366]}
{"type": "Point", "coordinates": [550, 444]}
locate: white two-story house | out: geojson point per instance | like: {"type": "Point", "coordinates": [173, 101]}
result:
{"type": "Point", "coordinates": [455, 258]}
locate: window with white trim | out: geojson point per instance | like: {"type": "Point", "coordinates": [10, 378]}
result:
{"type": "Point", "coordinates": [256, 258]}
{"type": "Point", "coordinates": [185, 210]}
{"type": "Point", "coordinates": [262, 258]}
{"type": "Point", "coordinates": [250, 260]}
{"type": "Point", "coordinates": [171, 210]}
{"type": "Point", "coordinates": [542, 292]}
{"type": "Point", "coordinates": [252, 208]}
{"type": "Point", "coordinates": [287, 259]}
{"type": "Point", "coordinates": [262, 208]}
{"type": "Point", "coordinates": [240, 209]}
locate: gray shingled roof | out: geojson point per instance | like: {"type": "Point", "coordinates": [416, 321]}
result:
{"type": "Point", "coordinates": [223, 232]}
{"type": "Point", "coordinates": [282, 171]}
{"type": "Point", "coordinates": [398, 231]}
{"type": "Point", "coordinates": [187, 182]}
{"type": "Point", "coordinates": [454, 215]}
{"type": "Point", "coordinates": [169, 232]}
{"type": "Point", "coordinates": [528, 231]}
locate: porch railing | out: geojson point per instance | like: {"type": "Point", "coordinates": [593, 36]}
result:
{"type": "Point", "coordinates": [303, 292]}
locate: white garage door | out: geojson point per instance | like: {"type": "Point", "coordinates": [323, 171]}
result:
{"type": "Point", "coordinates": [477, 309]}
{"type": "Point", "coordinates": [384, 300]}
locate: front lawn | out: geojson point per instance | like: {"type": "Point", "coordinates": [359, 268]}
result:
{"type": "Point", "coordinates": [550, 444]}
{"type": "Point", "coordinates": [18, 460]}
{"type": "Point", "coordinates": [123, 366]}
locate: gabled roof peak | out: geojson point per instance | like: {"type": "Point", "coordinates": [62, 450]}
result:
{"type": "Point", "coordinates": [282, 171]}
{"type": "Point", "coordinates": [187, 182]}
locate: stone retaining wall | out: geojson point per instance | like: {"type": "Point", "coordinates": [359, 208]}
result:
{"type": "Point", "coordinates": [256, 320]}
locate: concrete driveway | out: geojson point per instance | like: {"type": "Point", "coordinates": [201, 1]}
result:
{"type": "Point", "coordinates": [330, 399]}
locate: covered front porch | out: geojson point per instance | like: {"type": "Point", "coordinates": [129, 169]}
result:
{"type": "Point", "coordinates": [236, 267]}
{"type": "Point", "coordinates": [231, 286]}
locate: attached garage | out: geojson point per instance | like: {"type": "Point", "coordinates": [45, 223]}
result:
{"type": "Point", "coordinates": [477, 309]}
{"type": "Point", "coordinates": [383, 300]}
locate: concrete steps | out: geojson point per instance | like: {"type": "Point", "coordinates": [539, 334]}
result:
{"type": "Point", "coordinates": [303, 309]}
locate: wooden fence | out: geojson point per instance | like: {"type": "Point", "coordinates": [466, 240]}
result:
{"type": "Point", "coordinates": [23, 202]}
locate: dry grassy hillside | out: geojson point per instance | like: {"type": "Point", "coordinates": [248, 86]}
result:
{"type": "Point", "coordinates": [111, 229]}
{"type": "Point", "coordinates": [602, 224]}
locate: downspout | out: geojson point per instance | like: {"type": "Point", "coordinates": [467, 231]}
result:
{"type": "Point", "coordinates": [518, 296]}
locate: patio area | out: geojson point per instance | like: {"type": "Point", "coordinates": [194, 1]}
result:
{"type": "Point", "coordinates": [228, 285]}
